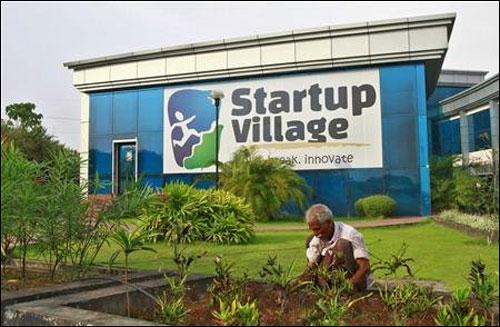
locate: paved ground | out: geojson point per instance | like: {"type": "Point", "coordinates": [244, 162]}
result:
{"type": "Point", "coordinates": [388, 222]}
{"type": "Point", "coordinates": [357, 224]}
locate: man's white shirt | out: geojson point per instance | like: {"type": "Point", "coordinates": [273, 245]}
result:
{"type": "Point", "coordinates": [318, 247]}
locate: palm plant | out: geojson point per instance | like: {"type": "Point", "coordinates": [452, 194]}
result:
{"type": "Point", "coordinates": [266, 183]}
{"type": "Point", "coordinates": [128, 243]}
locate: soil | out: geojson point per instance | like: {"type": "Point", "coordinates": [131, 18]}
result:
{"type": "Point", "coordinates": [12, 281]}
{"type": "Point", "coordinates": [368, 312]}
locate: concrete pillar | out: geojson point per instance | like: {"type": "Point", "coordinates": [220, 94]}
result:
{"type": "Point", "coordinates": [84, 139]}
{"type": "Point", "coordinates": [494, 124]}
{"type": "Point", "coordinates": [464, 137]}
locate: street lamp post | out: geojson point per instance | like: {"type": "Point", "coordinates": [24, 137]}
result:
{"type": "Point", "coordinates": [217, 95]}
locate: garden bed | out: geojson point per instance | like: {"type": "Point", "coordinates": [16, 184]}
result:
{"type": "Point", "coordinates": [107, 305]}
{"type": "Point", "coordinates": [370, 311]}
{"type": "Point", "coordinates": [471, 231]}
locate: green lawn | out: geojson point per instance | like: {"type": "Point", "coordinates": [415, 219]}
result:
{"type": "Point", "coordinates": [440, 253]}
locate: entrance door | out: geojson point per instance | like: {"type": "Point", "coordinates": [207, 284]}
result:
{"type": "Point", "coordinates": [125, 165]}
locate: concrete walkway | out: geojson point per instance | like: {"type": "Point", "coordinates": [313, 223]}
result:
{"type": "Point", "coordinates": [388, 222]}
{"type": "Point", "coordinates": [357, 224]}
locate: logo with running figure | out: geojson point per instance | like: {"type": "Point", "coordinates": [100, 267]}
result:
{"type": "Point", "coordinates": [191, 114]}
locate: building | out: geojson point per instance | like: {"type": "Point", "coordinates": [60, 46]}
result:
{"type": "Point", "coordinates": [466, 123]}
{"type": "Point", "coordinates": [347, 104]}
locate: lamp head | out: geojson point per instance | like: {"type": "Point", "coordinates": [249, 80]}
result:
{"type": "Point", "coordinates": [217, 95]}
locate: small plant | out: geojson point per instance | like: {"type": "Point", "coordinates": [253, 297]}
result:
{"type": "Point", "coordinates": [395, 262]}
{"type": "Point", "coordinates": [171, 306]}
{"type": "Point", "coordinates": [458, 312]}
{"type": "Point", "coordinates": [331, 311]}
{"type": "Point", "coordinates": [331, 282]}
{"type": "Point", "coordinates": [237, 313]}
{"type": "Point", "coordinates": [482, 288]}
{"type": "Point", "coordinates": [225, 286]}
{"type": "Point", "coordinates": [183, 261]}
{"type": "Point", "coordinates": [287, 283]}
{"type": "Point", "coordinates": [481, 285]}
{"type": "Point", "coordinates": [170, 311]}
{"type": "Point", "coordinates": [408, 299]}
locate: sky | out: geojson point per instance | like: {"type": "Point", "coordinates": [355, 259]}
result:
{"type": "Point", "coordinates": [38, 37]}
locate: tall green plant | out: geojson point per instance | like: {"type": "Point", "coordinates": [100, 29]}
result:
{"type": "Point", "coordinates": [266, 183]}
{"type": "Point", "coordinates": [22, 200]}
{"type": "Point", "coordinates": [99, 222]}
{"type": "Point", "coordinates": [62, 220]}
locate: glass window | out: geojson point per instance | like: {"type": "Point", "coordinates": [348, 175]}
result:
{"type": "Point", "coordinates": [125, 112]}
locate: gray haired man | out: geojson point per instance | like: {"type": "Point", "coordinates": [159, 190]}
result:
{"type": "Point", "coordinates": [337, 246]}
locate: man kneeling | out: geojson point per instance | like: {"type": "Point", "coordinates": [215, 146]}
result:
{"type": "Point", "coordinates": [335, 245]}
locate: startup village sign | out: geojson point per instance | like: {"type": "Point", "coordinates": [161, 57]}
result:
{"type": "Point", "coordinates": [314, 121]}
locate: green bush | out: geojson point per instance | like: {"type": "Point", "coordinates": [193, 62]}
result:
{"type": "Point", "coordinates": [183, 214]}
{"type": "Point", "coordinates": [375, 206]}
{"type": "Point", "coordinates": [466, 192]}
{"type": "Point", "coordinates": [462, 188]}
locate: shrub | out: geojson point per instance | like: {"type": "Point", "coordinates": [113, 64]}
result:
{"type": "Point", "coordinates": [462, 187]}
{"type": "Point", "coordinates": [227, 229]}
{"type": "Point", "coordinates": [183, 214]}
{"type": "Point", "coordinates": [175, 215]}
{"type": "Point", "coordinates": [466, 192]}
{"type": "Point", "coordinates": [375, 206]}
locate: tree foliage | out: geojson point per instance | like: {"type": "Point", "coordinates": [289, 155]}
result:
{"type": "Point", "coordinates": [23, 127]}
{"type": "Point", "coordinates": [266, 183]}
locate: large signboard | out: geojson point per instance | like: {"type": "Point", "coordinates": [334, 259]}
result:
{"type": "Point", "coordinates": [314, 121]}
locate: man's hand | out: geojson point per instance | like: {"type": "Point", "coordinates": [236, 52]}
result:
{"type": "Point", "coordinates": [359, 277]}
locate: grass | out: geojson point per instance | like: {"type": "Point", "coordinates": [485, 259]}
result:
{"type": "Point", "coordinates": [440, 253]}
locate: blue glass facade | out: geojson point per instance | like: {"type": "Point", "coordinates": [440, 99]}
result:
{"type": "Point", "coordinates": [405, 175]}
{"type": "Point", "coordinates": [479, 130]}
{"type": "Point", "coordinates": [446, 137]}
{"type": "Point", "coordinates": [126, 115]}
{"type": "Point", "coordinates": [445, 133]}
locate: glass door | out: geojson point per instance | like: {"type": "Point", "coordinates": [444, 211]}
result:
{"type": "Point", "coordinates": [125, 165]}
